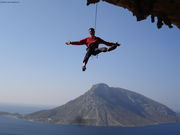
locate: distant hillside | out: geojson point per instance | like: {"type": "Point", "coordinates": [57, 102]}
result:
{"type": "Point", "coordinates": [107, 106]}
{"type": "Point", "coordinates": [178, 116]}
{"type": "Point", "coordinates": [22, 108]}
{"type": "Point", "coordinates": [7, 114]}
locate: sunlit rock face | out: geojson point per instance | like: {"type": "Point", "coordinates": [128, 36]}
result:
{"type": "Point", "coordinates": [166, 11]}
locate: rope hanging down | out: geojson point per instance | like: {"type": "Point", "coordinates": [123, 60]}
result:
{"type": "Point", "coordinates": [96, 16]}
{"type": "Point", "coordinates": [95, 21]}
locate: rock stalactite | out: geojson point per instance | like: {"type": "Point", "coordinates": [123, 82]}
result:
{"type": "Point", "coordinates": [166, 11]}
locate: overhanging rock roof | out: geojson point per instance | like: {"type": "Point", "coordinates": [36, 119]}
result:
{"type": "Point", "coordinates": [166, 11]}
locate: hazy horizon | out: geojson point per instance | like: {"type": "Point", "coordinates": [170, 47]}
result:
{"type": "Point", "coordinates": [38, 68]}
{"type": "Point", "coordinates": [7, 106]}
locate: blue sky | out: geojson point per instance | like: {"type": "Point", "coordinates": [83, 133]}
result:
{"type": "Point", "coordinates": [38, 68]}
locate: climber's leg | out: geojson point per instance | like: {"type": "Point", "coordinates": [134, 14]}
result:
{"type": "Point", "coordinates": [99, 50]}
{"type": "Point", "coordinates": [112, 48]}
{"type": "Point", "coordinates": [86, 58]}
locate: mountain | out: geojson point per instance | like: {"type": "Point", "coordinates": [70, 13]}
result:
{"type": "Point", "coordinates": [178, 115]}
{"type": "Point", "coordinates": [107, 106]}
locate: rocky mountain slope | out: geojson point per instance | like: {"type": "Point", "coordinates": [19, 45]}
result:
{"type": "Point", "coordinates": [107, 106]}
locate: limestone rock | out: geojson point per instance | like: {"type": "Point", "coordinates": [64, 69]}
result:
{"type": "Point", "coordinates": [166, 11]}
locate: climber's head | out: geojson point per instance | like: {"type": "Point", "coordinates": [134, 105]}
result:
{"type": "Point", "coordinates": [91, 31]}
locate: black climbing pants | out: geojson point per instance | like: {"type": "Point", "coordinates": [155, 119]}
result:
{"type": "Point", "coordinates": [94, 50]}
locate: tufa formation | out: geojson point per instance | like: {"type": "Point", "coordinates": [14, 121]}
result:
{"type": "Point", "coordinates": [166, 11]}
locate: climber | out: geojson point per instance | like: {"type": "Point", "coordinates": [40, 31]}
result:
{"type": "Point", "coordinates": [92, 44]}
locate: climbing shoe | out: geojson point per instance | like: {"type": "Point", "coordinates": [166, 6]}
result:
{"type": "Point", "coordinates": [83, 68]}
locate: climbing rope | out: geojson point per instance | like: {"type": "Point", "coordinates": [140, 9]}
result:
{"type": "Point", "coordinates": [95, 20]}
{"type": "Point", "coordinates": [96, 11]}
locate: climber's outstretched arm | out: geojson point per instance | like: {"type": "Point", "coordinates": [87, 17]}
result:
{"type": "Point", "coordinates": [109, 43]}
{"type": "Point", "coordinates": [112, 45]}
{"type": "Point", "coordinates": [81, 42]}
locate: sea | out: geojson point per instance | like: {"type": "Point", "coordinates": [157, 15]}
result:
{"type": "Point", "coordinates": [12, 126]}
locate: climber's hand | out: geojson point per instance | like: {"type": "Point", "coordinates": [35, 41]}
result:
{"type": "Point", "coordinates": [117, 44]}
{"type": "Point", "coordinates": [68, 43]}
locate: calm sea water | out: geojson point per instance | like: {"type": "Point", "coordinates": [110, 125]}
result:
{"type": "Point", "coordinates": [10, 126]}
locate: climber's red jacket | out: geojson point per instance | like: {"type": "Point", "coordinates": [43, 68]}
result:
{"type": "Point", "coordinates": [92, 40]}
